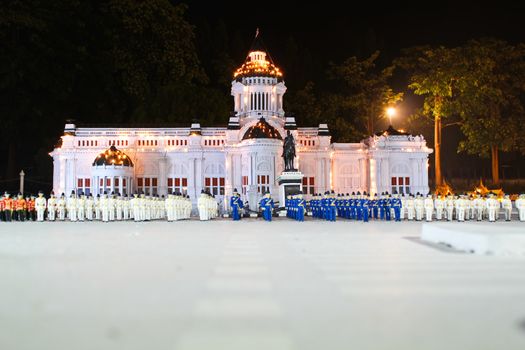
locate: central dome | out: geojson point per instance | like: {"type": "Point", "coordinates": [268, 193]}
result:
{"type": "Point", "coordinates": [258, 63]}
{"type": "Point", "coordinates": [262, 130]}
{"type": "Point", "coordinates": [113, 156]}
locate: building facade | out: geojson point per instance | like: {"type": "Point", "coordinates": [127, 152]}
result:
{"type": "Point", "coordinates": [245, 155]}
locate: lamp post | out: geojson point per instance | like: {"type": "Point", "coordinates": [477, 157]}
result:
{"type": "Point", "coordinates": [391, 112]}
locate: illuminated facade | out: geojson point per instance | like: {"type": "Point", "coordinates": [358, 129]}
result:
{"type": "Point", "coordinates": [245, 155]}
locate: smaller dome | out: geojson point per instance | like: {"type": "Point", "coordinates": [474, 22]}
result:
{"type": "Point", "coordinates": [392, 132]}
{"type": "Point", "coordinates": [113, 156]}
{"type": "Point", "coordinates": [262, 130]}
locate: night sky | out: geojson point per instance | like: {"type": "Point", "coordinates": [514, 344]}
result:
{"type": "Point", "coordinates": [330, 33]}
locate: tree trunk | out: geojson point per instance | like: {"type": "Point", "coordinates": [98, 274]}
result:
{"type": "Point", "coordinates": [495, 164]}
{"type": "Point", "coordinates": [437, 151]}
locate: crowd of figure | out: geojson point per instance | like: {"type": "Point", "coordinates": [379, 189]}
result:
{"type": "Point", "coordinates": [329, 207]}
{"type": "Point", "coordinates": [113, 207]}
{"type": "Point", "coordinates": [363, 207]}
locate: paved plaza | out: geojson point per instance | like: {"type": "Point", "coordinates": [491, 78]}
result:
{"type": "Point", "coordinates": [252, 285]}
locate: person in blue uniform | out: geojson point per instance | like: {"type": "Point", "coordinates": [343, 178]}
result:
{"type": "Point", "coordinates": [396, 205]}
{"type": "Point", "coordinates": [236, 205]}
{"type": "Point", "coordinates": [332, 210]}
{"type": "Point", "coordinates": [387, 204]}
{"type": "Point", "coordinates": [365, 202]}
{"type": "Point", "coordinates": [375, 207]}
{"type": "Point", "coordinates": [266, 205]}
{"type": "Point", "coordinates": [381, 206]}
{"type": "Point", "coordinates": [358, 207]}
{"type": "Point", "coordinates": [301, 207]}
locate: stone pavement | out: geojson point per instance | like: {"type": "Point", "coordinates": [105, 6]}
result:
{"type": "Point", "coordinates": [252, 285]}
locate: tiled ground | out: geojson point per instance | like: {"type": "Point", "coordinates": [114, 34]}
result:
{"type": "Point", "coordinates": [252, 285]}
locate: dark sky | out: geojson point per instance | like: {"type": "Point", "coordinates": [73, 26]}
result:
{"type": "Point", "coordinates": [332, 32]}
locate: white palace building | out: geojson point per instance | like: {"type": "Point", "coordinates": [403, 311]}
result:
{"type": "Point", "coordinates": [245, 155]}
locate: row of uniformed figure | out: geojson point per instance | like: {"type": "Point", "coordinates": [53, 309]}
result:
{"type": "Point", "coordinates": [398, 207]}
{"type": "Point", "coordinates": [328, 207]}
{"type": "Point", "coordinates": [102, 208]}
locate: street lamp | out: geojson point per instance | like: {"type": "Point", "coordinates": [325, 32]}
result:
{"type": "Point", "coordinates": [391, 112]}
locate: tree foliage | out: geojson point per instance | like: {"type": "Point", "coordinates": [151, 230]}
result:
{"type": "Point", "coordinates": [363, 93]}
{"type": "Point", "coordinates": [491, 106]}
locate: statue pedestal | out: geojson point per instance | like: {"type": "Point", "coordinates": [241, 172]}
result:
{"type": "Point", "coordinates": [290, 183]}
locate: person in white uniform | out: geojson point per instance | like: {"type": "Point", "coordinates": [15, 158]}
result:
{"type": "Point", "coordinates": [72, 207]}
{"type": "Point", "coordinates": [142, 206]}
{"type": "Point", "coordinates": [168, 205]}
{"type": "Point", "coordinates": [449, 206]}
{"type": "Point", "coordinates": [125, 208]}
{"type": "Point", "coordinates": [81, 207]}
{"type": "Point", "coordinates": [506, 204]}
{"type": "Point", "coordinates": [90, 203]}
{"type": "Point", "coordinates": [104, 207]}
{"type": "Point", "coordinates": [419, 206]}
{"type": "Point", "coordinates": [51, 207]}
{"type": "Point", "coordinates": [492, 205]}
{"type": "Point", "coordinates": [410, 208]}
{"type": "Point", "coordinates": [461, 208]}
{"type": "Point", "coordinates": [520, 205]}
{"type": "Point", "coordinates": [439, 204]}
{"type": "Point", "coordinates": [111, 207]}
{"type": "Point", "coordinates": [135, 206]}
{"type": "Point", "coordinates": [203, 206]}
{"type": "Point", "coordinates": [40, 206]}
{"type": "Point", "coordinates": [429, 207]}
{"type": "Point", "coordinates": [61, 205]}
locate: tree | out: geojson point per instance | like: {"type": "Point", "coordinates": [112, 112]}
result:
{"type": "Point", "coordinates": [363, 91]}
{"type": "Point", "coordinates": [436, 74]}
{"type": "Point", "coordinates": [152, 46]}
{"type": "Point", "coordinates": [491, 106]}
{"type": "Point", "coordinates": [304, 104]}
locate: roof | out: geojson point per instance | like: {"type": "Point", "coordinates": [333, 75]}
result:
{"type": "Point", "coordinates": [392, 132]}
{"type": "Point", "coordinates": [262, 130]}
{"type": "Point", "coordinates": [113, 156]}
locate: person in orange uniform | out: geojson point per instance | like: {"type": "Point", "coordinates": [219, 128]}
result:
{"type": "Point", "coordinates": [8, 205]}
{"type": "Point", "coordinates": [20, 207]}
{"type": "Point", "coordinates": [30, 208]}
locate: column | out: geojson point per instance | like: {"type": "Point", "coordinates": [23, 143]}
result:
{"type": "Point", "coordinates": [424, 174]}
{"type": "Point", "coordinates": [362, 174]}
{"type": "Point", "coordinates": [414, 184]}
{"type": "Point", "coordinates": [120, 185]}
{"type": "Point", "coordinates": [385, 175]}
{"type": "Point", "coordinates": [191, 178]}
{"type": "Point", "coordinates": [378, 171]}
{"type": "Point", "coordinates": [163, 183]}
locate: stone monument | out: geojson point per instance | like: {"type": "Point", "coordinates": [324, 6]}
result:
{"type": "Point", "coordinates": [291, 180]}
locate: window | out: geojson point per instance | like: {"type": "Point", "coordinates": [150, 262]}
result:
{"type": "Point", "coordinates": [84, 185]}
{"type": "Point", "coordinates": [244, 184]}
{"type": "Point", "coordinates": [215, 185]}
{"type": "Point", "coordinates": [308, 185]}
{"type": "Point", "coordinates": [400, 184]}
{"type": "Point", "coordinates": [148, 142]}
{"type": "Point", "coordinates": [177, 142]}
{"type": "Point", "coordinates": [263, 183]}
{"type": "Point", "coordinates": [177, 185]}
{"type": "Point", "coordinates": [147, 185]}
